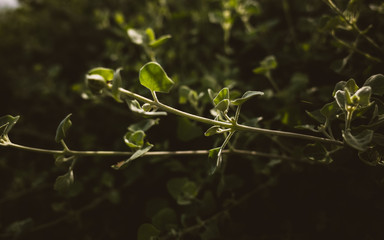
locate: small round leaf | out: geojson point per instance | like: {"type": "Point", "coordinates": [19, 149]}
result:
{"type": "Point", "coordinates": [153, 77]}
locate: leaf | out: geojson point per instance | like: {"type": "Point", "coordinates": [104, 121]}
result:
{"type": "Point", "coordinates": [147, 231]}
{"type": "Point", "coordinates": [138, 153]}
{"type": "Point", "coordinates": [6, 124]}
{"type": "Point", "coordinates": [143, 125]}
{"type": "Point", "coordinates": [97, 79]}
{"type": "Point", "coordinates": [359, 141]}
{"type": "Point", "coordinates": [246, 96]}
{"type": "Point", "coordinates": [212, 131]}
{"type": "Point", "coordinates": [341, 101]}
{"type": "Point", "coordinates": [267, 64]}
{"type": "Point", "coordinates": [106, 73]}
{"type": "Point", "coordinates": [182, 190]}
{"type": "Point", "coordinates": [376, 82]}
{"type": "Point", "coordinates": [62, 129]}
{"type": "Point", "coordinates": [63, 182]}
{"type": "Point", "coordinates": [330, 110]}
{"type": "Point", "coordinates": [363, 95]}
{"type": "Point", "coordinates": [153, 77]}
{"type": "Point", "coordinates": [351, 86]}
{"type": "Point", "coordinates": [135, 36]}
{"type": "Point", "coordinates": [160, 41]}
{"type": "Point", "coordinates": [165, 219]}
{"type": "Point", "coordinates": [116, 84]}
{"type": "Point", "coordinates": [134, 140]}
{"type": "Point", "coordinates": [373, 156]}
{"type": "Point", "coordinates": [317, 152]}
{"type": "Point", "coordinates": [222, 95]}
{"type": "Point", "coordinates": [214, 159]}
{"type": "Point", "coordinates": [151, 34]}
{"type": "Point", "coordinates": [223, 105]}
{"type": "Point", "coordinates": [135, 107]}
{"type": "Point", "coordinates": [317, 116]}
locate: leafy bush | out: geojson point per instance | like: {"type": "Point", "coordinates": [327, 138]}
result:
{"type": "Point", "coordinates": [258, 119]}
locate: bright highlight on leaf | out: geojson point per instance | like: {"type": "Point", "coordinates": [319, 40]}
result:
{"type": "Point", "coordinates": [153, 77]}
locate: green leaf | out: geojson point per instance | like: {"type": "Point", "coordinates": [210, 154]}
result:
{"type": "Point", "coordinates": [363, 95]}
{"type": "Point", "coordinates": [330, 110]}
{"type": "Point", "coordinates": [143, 125]}
{"type": "Point", "coordinates": [246, 96]}
{"type": "Point", "coordinates": [267, 64]}
{"type": "Point", "coordinates": [341, 101]}
{"type": "Point", "coordinates": [151, 34]}
{"type": "Point", "coordinates": [351, 86]}
{"type": "Point", "coordinates": [116, 84]}
{"type": "Point", "coordinates": [62, 129]}
{"type": "Point", "coordinates": [214, 159]}
{"type": "Point", "coordinates": [165, 219]}
{"type": "Point", "coordinates": [316, 115]}
{"type": "Point", "coordinates": [107, 74]}
{"type": "Point", "coordinates": [135, 36]}
{"type": "Point", "coordinates": [223, 105]}
{"type": "Point", "coordinates": [135, 107]}
{"type": "Point", "coordinates": [183, 190]}
{"type": "Point", "coordinates": [64, 182]}
{"type": "Point", "coordinates": [6, 124]}
{"type": "Point", "coordinates": [147, 231]}
{"type": "Point", "coordinates": [138, 153]}
{"type": "Point", "coordinates": [134, 140]}
{"type": "Point", "coordinates": [153, 77]}
{"type": "Point", "coordinates": [213, 130]}
{"type": "Point", "coordinates": [376, 82]}
{"type": "Point", "coordinates": [317, 152]}
{"type": "Point", "coordinates": [373, 156]}
{"type": "Point", "coordinates": [160, 41]}
{"type": "Point", "coordinates": [222, 95]}
{"type": "Point", "coordinates": [359, 141]}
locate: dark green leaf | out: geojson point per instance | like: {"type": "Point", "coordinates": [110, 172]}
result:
{"type": "Point", "coordinates": [116, 84]}
{"type": "Point", "coordinates": [143, 125]}
{"type": "Point", "coordinates": [183, 190]}
{"type": "Point", "coordinates": [351, 86]}
{"type": "Point", "coordinates": [373, 156]}
{"type": "Point", "coordinates": [267, 64]}
{"type": "Point", "coordinates": [153, 77]}
{"type": "Point", "coordinates": [339, 86]}
{"type": "Point", "coordinates": [341, 100]}
{"type": "Point", "coordinates": [222, 95]}
{"type": "Point", "coordinates": [247, 95]}
{"type": "Point", "coordinates": [183, 94]}
{"type": "Point", "coordinates": [147, 231]}
{"type": "Point", "coordinates": [165, 219]}
{"type": "Point", "coordinates": [363, 95]}
{"type": "Point", "coordinates": [6, 124]}
{"type": "Point", "coordinates": [223, 105]}
{"type": "Point", "coordinates": [317, 152]}
{"type": "Point", "coordinates": [62, 129]}
{"type": "Point", "coordinates": [359, 141]}
{"type": "Point", "coordinates": [317, 116]}
{"type": "Point", "coordinates": [64, 182]}
{"type": "Point", "coordinates": [376, 82]}
{"type": "Point", "coordinates": [138, 153]}
{"type": "Point", "coordinates": [214, 159]}
{"type": "Point", "coordinates": [160, 41]}
{"type": "Point", "coordinates": [330, 110]}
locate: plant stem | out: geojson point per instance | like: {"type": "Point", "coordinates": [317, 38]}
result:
{"type": "Point", "coordinates": [237, 127]}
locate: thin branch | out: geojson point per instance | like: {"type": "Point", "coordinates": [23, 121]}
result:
{"type": "Point", "coordinates": [237, 127]}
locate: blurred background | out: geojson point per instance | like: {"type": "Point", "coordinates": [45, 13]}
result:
{"type": "Point", "coordinates": [48, 46]}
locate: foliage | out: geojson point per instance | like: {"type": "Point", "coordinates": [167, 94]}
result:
{"type": "Point", "coordinates": [206, 119]}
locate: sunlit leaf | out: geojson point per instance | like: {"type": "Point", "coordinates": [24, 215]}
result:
{"type": "Point", "coordinates": [160, 41]}
{"type": "Point", "coordinates": [151, 34]}
{"type": "Point", "coordinates": [222, 95]}
{"type": "Point", "coordinates": [64, 182]}
{"type": "Point", "coordinates": [376, 82]}
{"type": "Point", "coordinates": [135, 36]}
{"type": "Point", "coordinates": [153, 77]}
{"type": "Point", "coordinates": [62, 129]}
{"type": "Point", "coordinates": [360, 141]}
{"type": "Point", "coordinates": [247, 95]}
{"type": "Point", "coordinates": [106, 73]}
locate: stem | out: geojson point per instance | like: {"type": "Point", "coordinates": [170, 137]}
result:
{"type": "Point", "coordinates": [237, 127]}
